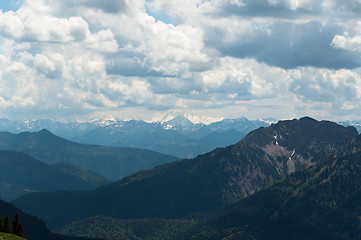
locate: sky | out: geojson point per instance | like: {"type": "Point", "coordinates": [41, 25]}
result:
{"type": "Point", "coordinates": [210, 59]}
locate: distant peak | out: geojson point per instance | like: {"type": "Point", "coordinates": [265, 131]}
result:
{"type": "Point", "coordinates": [180, 118]}
{"type": "Point", "coordinates": [308, 119]}
{"type": "Point", "coordinates": [45, 132]}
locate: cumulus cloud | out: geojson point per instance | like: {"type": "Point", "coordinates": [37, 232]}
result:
{"type": "Point", "coordinates": [226, 57]}
{"type": "Point", "coordinates": [347, 42]}
{"type": "Point", "coordinates": [26, 26]}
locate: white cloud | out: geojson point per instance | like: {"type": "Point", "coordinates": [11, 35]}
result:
{"type": "Point", "coordinates": [103, 41]}
{"type": "Point", "coordinates": [52, 65]}
{"type": "Point", "coordinates": [347, 42]}
{"type": "Point", "coordinates": [30, 25]}
{"type": "Point", "coordinates": [225, 57]}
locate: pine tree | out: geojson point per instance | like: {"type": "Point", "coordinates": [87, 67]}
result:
{"type": "Point", "coordinates": [1, 223]}
{"type": "Point", "coordinates": [20, 230]}
{"type": "Point", "coordinates": [15, 224]}
{"type": "Point", "coordinates": [6, 225]}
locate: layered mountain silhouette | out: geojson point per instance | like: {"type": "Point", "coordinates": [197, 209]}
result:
{"type": "Point", "coordinates": [21, 174]}
{"type": "Point", "coordinates": [215, 179]}
{"type": "Point", "coordinates": [112, 163]}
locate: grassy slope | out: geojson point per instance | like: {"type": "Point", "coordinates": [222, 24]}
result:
{"type": "Point", "coordinates": [6, 236]}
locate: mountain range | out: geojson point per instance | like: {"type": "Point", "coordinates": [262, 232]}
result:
{"type": "Point", "coordinates": [317, 203]}
{"type": "Point", "coordinates": [178, 136]}
{"type": "Point", "coordinates": [174, 135]}
{"type": "Point", "coordinates": [296, 179]}
{"type": "Point", "coordinates": [206, 182]}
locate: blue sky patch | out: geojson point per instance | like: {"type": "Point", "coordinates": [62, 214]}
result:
{"type": "Point", "coordinates": [10, 5]}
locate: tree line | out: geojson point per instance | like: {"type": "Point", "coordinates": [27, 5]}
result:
{"type": "Point", "coordinates": [15, 227]}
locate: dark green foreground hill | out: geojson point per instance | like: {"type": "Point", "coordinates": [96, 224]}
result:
{"type": "Point", "coordinates": [212, 180]}
{"type": "Point", "coordinates": [34, 228]}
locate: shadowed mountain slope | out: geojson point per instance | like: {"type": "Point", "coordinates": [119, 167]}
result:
{"type": "Point", "coordinates": [82, 172]}
{"type": "Point", "coordinates": [321, 202]}
{"type": "Point", "coordinates": [326, 199]}
{"type": "Point", "coordinates": [21, 174]}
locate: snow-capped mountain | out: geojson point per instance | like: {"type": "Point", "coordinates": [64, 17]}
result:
{"type": "Point", "coordinates": [66, 130]}
{"type": "Point", "coordinates": [177, 136]}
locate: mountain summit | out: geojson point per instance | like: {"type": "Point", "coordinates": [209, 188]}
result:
{"type": "Point", "coordinates": [295, 144]}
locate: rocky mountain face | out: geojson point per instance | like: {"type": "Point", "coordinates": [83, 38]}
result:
{"type": "Point", "coordinates": [267, 154]}
{"type": "Point", "coordinates": [295, 144]}
{"type": "Point", "coordinates": [321, 202]}
{"type": "Point", "coordinates": [215, 179]}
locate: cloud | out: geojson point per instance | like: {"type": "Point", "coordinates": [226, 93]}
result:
{"type": "Point", "coordinates": [51, 66]}
{"type": "Point", "coordinates": [283, 33]}
{"type": "Point", "coordinates": [259, 58]}
{"type": "Point", "coordinates": [284, 9]}
{"type": "Point", "coordinates": [328, 86]}
{"type": "Point", "coordinates": [286, 45]}
{"type": "Point", "coordinates": [347, 42]}
{"type": "Point", "coordinates": [108, 6]}
{"type": "Point", "coordinates": [26, 26]}
{"type": "Point", "coordinates": [103, 41]}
